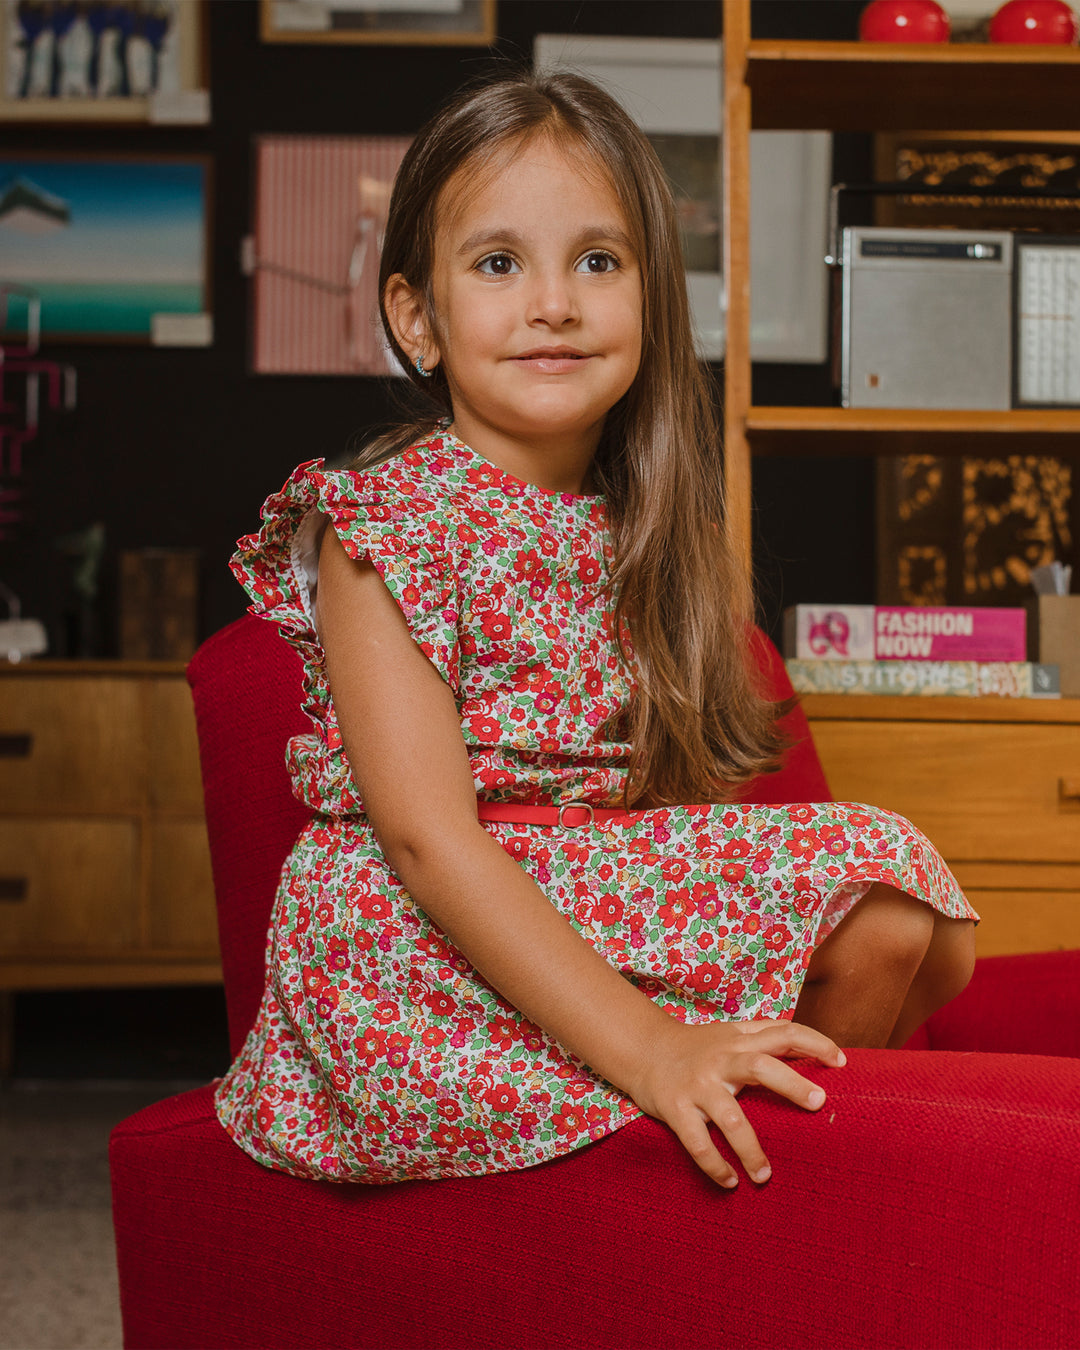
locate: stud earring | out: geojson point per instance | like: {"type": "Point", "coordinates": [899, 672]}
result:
{"type": "Point", "coordinates": [419, 364]}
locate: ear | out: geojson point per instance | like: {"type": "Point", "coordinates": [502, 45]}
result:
{"type": "Point", "coordinates": [406, 312]}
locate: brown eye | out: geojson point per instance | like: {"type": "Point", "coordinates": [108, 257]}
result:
{"type": "Point", "coordinates": [598, 262]}
{"type": "Point", "coordinates": [497, 265]}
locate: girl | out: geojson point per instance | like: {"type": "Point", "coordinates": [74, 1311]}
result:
{"type": "Point", "coordinates": [504, 933]}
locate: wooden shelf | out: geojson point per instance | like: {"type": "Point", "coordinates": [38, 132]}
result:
{"type": "Point", "coordinates": [915, 708]}
{"type": "Point", "coordinates": [909, 431]}
{"type": "Point", "coordinates": [857, 86]}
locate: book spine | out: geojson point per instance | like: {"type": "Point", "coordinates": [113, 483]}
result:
{"type": "Point", "coordinates": [904, 633]}
{"type": "Point", "coordinates": [970, 679]}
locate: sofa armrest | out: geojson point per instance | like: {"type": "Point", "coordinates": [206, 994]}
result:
{"type": "Point", "coordinates": [1022, 1005]}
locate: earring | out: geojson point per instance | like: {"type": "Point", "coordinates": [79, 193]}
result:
{"type": "Point", "coordinates": [419, 364]}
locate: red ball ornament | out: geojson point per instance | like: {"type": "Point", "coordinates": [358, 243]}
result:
{"type": "Point", "coordinates": [904, 21]}
{"type": "Point", "coordinates": [1046, 21]}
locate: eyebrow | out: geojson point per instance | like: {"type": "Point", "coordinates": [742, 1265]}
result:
{"type": "Point", "coordinates": [491, 237]}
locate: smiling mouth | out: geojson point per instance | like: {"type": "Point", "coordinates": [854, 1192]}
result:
{"type": "Point", "coordinates": [552, 354]}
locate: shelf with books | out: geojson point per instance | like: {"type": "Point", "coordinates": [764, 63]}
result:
{"type": "Point", "coordinates": [868, 86]}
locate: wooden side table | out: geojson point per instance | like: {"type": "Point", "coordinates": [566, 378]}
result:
{"type": "Point", "coordinates": [994, 783]}
{"type": "Point", "coordinates": [104, 866]}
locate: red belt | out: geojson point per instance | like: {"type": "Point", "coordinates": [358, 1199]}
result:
{"type": "Point", "coordinates": [569, 816]}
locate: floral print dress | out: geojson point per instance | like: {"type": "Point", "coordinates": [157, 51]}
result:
{"type": "Point", "coordinates": [378, 1053]}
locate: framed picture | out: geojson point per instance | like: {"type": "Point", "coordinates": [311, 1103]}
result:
{"type": "Point", "coordinates": [419, 22]}
{"type": "Point", "coordinates": [960, 530]}
{"type": "Point", "coordinates": [121, 61]}
{"type": "Point", "coordinates": [115, 247]}
{"type": "Point", "coordinates": [1046, 163]}
{"type": "Point", "coordinates": [672, 87]}
{"type": "Point", "coordinates": [320, 213]}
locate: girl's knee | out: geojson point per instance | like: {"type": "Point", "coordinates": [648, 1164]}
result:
{"type": "Point", "coordinates": [886, 933]}
{"type": "Point", "coordinates": [951, 959]}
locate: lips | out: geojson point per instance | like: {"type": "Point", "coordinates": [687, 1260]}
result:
{"type": "Point", "coordinates": [551, 354]}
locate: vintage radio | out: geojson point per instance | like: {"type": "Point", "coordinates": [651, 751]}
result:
{"type": "Point", "coordinates": [926, 318]}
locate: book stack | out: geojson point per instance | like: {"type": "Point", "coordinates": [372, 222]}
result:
{"type": "Point", "coordinates": [898, 649]}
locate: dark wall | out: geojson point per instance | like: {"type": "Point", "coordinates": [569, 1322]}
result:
{"type": "Point", "coordinates": [179, 448]}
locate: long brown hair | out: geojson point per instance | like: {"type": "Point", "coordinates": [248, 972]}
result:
{"type": "Point", "coordinates": [683, 604]}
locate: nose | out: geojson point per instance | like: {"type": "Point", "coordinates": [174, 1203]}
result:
{"type": "Point", "coordinates": [552, 298]}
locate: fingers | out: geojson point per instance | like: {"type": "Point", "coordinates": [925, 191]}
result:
{"type": "Point", "coordinates": [693, 1133]}
{"type": "Point", "coordinates": [781, 1078]}
{"type": "Point", "coordinates": [795, 1041]}
{"type": "Point", "coordinates": [757, 1067]}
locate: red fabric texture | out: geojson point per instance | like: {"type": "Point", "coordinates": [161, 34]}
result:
{"type": "Point", "coordinates": [246, 683]}
{"type": "Point", "coordinates": [934, 1201]}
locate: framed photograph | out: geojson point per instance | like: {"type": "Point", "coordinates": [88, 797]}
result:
{"type": "Point", "coordinates": [320, 214]}
{"type": "Point", "coordinates": [420, 22]}
{"type": "Point", "coordinates": [672, 87]}
{"type": "Point", "coordinates": [115, 247]}
{"type": "Point", "coordinates": [121, 61]}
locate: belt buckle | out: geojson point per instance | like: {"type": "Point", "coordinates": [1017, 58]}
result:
{"type": "Point", "coordinates": [576, 806]}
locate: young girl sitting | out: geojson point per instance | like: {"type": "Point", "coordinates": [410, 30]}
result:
{"type": "Point", "coordinates": [524, 911]}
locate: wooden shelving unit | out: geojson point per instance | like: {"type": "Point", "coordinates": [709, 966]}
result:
{"type": "Point", "coordinates": [845, 86]}
{"type": "Point", "coordinates": [859, 86]}
{"type": "Point", "coordinates": [991, 781]}
{"type": "Point", "coordinates": [875, 431]}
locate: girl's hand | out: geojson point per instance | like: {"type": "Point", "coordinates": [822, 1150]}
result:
{"type": "Point", "coordinates": [697, 1072]}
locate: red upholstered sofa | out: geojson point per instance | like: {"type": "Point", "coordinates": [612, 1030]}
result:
{"type": "Point", "coordinates": [934, 1202]}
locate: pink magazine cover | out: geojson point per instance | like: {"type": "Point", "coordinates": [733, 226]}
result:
{"type": "Point", "coordinates": [904, 633]}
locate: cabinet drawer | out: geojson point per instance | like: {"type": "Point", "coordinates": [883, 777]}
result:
{"type": "Point", "coordinates": [173, 748]}
{"type": "Point", "coordinates": [979, 790]}
{"type": "Point", "coordinates": [1026, 921]}
{"type": "Point", "coordinates": [68, 883]}
{"type": "Point", "coordinates": [182, 912]}
{"type": "Point", "coordinates": [70, 744]}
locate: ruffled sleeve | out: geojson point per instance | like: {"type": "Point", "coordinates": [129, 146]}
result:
{"type": "Point", "coordinates": [403, 536]}
{"type": "Point", "coordinates": [380, 517]}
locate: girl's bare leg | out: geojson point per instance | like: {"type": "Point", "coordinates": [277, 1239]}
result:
{"type": "Point", "coordinates": [889, 964]}
{"type": "Point", "coordinates": [945, 971]}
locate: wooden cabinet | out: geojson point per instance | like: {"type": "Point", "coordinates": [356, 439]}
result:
{"type": "Point", "coordinates": [995, 783]}
{"type": "Point", "coordinates": [104, 866]}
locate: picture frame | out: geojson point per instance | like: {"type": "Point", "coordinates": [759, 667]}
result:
{"type": "Point", "coordinates": [116, 247]}
{"type": "Point", "coordinates": [136, 63]}
{"type": "Point", "coordinates": [429, 23]}
{"type": "Point", "coordinates": [320, 212]}
{"type": "Point", "coordinates": [673, 88]}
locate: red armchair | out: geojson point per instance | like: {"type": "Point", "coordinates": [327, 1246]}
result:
{"type": "Point", "coordinates": [934, 1202]}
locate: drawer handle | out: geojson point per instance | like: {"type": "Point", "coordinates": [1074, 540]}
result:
{"type": "Point", "coordinates": [1069, 790]}
{"type": "Point", "coordinates": [13, 889]}
{"type": "Point", "coordinates": [17, 746]}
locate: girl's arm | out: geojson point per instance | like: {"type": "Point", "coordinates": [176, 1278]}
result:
{"type": "Point", "coordinates": [402, 735]}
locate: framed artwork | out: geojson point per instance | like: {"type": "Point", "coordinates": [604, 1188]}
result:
{"type": "Point", "coordinates": [417, 22]}
{"type": "Point", "coordinates": [963, 530]}
{"type": "Point", "coordinates": [115, 247]}
{"type": "Point", "coordinates": [1047, 163]}
{"type": "Point", "coordinates": [320, 213]}
{"type": "Point", "coordinates": [120, 61]}
{"type": "Point", "coordinates": [672, 87]}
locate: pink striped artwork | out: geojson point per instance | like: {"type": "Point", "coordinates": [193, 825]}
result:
{"type": "Point", "coordinates": [320, 213]}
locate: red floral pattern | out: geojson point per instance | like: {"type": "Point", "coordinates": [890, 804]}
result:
{"type": "Point", "coordinates": [378, 1053]}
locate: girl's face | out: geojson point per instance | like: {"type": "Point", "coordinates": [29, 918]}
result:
{"type": "Point", "coordinates": [538, 304]}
